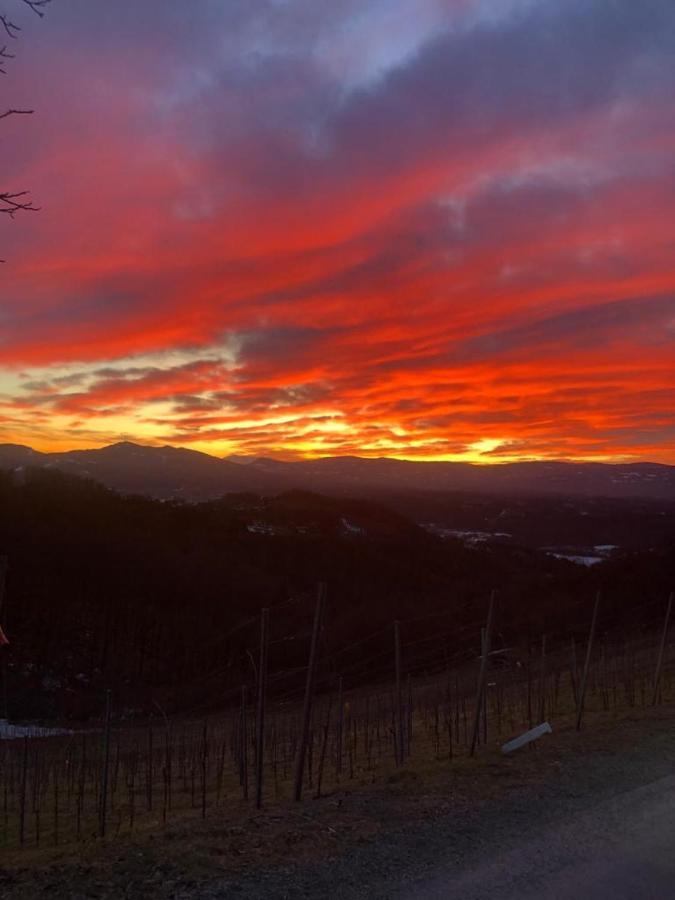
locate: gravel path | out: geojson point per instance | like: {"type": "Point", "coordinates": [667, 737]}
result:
{"type": "Point", "coordinates": [623, 849]}
{"type": "Point", "coordinates": [582, 817]}
{"type": "Point", "coordinates": [600, 824]}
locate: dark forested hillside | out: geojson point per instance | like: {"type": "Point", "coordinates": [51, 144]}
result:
{"type": "Point", "coordinates": [153, 598]}
{"type": "Point", "coordinates": [541, 521]}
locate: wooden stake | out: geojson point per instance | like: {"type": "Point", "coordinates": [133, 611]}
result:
{"type": "Point", "coordinates": [339, 731]}
{"type": "Point", "coordinates": [205, 752]}
{"type": "Point", "coordinates": [484, 716]}
{"type": "Point", "coordinates": [260, 710]}
{"type": "Point", "coordinates": [82, 784]}
{"type": "Point", "coordinates": [243, 745]}
{"type": "Point", "coordinates": [56, 806]}
{"type": "Point", "coordinates": [106, 766]}
{"type": "Point", "coordinates": [587, 662]}
{"type": "Point", "coordinates": [324, 746]}
{"type": "Point", "coordinates": [573, 673]}
{"type": "Point", "coordinates": [529, 682]}
{"type": "Point", "coordinates": [662, 647]}
{"type": "Point", "coordinates": [22, 796]}
{"type": "Point", "coordinates": [149, 769]}
{"type": "Point", "coordinates": [400, 748]}
{"type": "Point", "coordinates": [309, 693]}
{"type": "Point", "coordinates": [480, 691]}
{"type": "Point", "coordinates": [542, 681]}
{"type": "Point", "coordinates": [409, 713]}
{"type": "Point", "coordinates": [3, 650]}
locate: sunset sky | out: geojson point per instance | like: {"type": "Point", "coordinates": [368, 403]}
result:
{"type": "Point", "coordinates": [440, 229]}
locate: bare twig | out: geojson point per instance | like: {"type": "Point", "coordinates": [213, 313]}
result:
{"type": "Point", "coordinates": [11, 203]}
{"type": "Point", "coordinates": [16, 112]}
{"type": "Point", "coordinates": [10, 28]}
{"type": "Point", "coordinates": [37, 6]}
{"type": "Point", "coordinates": [4, 54]}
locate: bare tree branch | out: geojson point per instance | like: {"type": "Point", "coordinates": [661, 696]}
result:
{"type": "Point", "coordinates": [10, 28]}
{"type": "Point", "coordinates": [4, 54]}
{"type": "Point", "coordinates": [12, 202]}
{"type": "Point", "coordinates": [16, 112]}
{"type": "Point", "coordinates": [37, 5]}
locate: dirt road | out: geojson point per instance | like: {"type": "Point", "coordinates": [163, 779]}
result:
{"type": "Point", "coordinates": [624, 847]}
{"type": "Point", "coordinates": [582, 817]}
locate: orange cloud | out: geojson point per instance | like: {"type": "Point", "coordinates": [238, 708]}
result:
{"type": "Point", "coordinates": [458, 246]}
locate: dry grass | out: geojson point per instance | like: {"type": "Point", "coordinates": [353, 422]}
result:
{"type": "Point", "coordinates": [373, 799]}
{"type": "Point", "coordinates": [239, 839]}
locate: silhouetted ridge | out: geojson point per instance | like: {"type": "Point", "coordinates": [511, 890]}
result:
{"type": "Point", "coordinates": [178, 472]}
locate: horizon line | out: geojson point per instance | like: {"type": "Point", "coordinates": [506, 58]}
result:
{"type": "Point", "coordinates": [300, 459]}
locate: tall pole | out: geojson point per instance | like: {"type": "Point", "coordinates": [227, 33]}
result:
{"type": "Point", "coordinates": [3, 650]}
{"type": "Point", "coordinates": [659, 662]}
{"type": "Point", "coordinates": [340, 730]}
{"type": "Point", "coordinates": [243, 744]}
{"type": "Point", "coordinates": [573, 673]}
{"type": "Point", "coordinates": [205, 753]}
{"type": "Point", "coordinates": [400, 756]}
{"type": "Point", "coordinates": [309, 692]}
{"type": "Point", "coordinates": [260, 711]}
{"type": "Point", "coordinates": [542, 680]}
{"type": "Point", "coordinates": [484, 704]}
{"type": "Point", "coordinates": [480, 692]}
{"type": "Point", "coordinates": [3, 574]}
{"type": "Point", "coordinates": [587, 662]}
{"type": "Point", "coordinates": [106, 765]}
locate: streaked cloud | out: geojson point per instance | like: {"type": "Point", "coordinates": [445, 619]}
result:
{"type": "Point", "coordinates": [431, 228]}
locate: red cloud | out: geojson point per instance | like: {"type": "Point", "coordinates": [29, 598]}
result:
{"type": "Point", "coordinates": [473, 242]}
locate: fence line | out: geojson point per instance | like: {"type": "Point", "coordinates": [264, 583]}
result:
{"type": "Point", "coordinates": [417, 700]}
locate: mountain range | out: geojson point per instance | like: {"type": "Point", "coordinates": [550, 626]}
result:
{"type": "Point", "coordinates": [178, 473]}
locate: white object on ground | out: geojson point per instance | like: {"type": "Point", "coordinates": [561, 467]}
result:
{"type": "Point", "coordinates": [532, 735]}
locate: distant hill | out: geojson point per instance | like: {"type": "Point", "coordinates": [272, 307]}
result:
{"type": "Point", "coordinates": [159, 472]}
{"type": "Point", "coordinates": [147, 596]}
{"type": "Point", "coordinates": [171, 472]}
{"type": "Point", "coordinates": [158, 600]}
{"type": "Point", "coordinates": [357, 474]}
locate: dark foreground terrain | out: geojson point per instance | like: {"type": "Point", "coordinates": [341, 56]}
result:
{"type": "Point", "coordinates": [583, 815]}
{"type": "Point", "coordinates": [158, 601]}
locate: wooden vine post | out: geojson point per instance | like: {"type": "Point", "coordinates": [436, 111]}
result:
{"type": "Point", "coordinates": [106, 766]}
{"type": "Point", "coordinates": [587, 662]}
{"type": "Point", "coordinates": [243, 744]}
{"type": "Point", "coordinates": [400, 740]}
{"type": "Point", "coordinates": [340, 730]}
{"type": "Point", "coordinates": [480, 691]}
{"type": "Point", "coordinates": [309, 692]}
{"type": "Point", "coordinates": [662, 647]}
{"type": "Point", "coordinates": [260, 710]}
{"type": "Point", "coordinates": [3, 648]}
{"type": "Point", "coordinates": [542, 681]}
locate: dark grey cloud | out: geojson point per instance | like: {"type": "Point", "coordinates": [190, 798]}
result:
{"type": "Point", "coordinates": [648, 321]}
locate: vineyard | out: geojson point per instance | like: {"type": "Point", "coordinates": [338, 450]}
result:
{"type": "Point", "coordinates": [384, 702]}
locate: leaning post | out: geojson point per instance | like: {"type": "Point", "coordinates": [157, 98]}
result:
{"type": "Point", "coordinates": [260, 711]}
{"type": "Point", "coordinates": [480, 691]}
{"type": "Point", "coordinates": [587, 662]}
{"type": "Point", "coordinates": [542, 680]}
{"type": "Point", "coordinates": [400, 739]}
{"type": "Point", "coordinates": [103, 812]}
{"type": "Point", "coordinates": [662, 647]}
{"type": "Point", "coordinates": [309, 692]}
{"type": "Point", "coordinates": [4, 565]}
